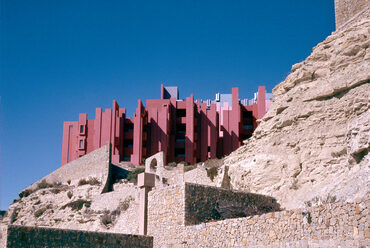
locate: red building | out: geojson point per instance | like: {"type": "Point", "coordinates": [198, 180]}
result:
{"type": "Point", "coordinates": [185, 130]}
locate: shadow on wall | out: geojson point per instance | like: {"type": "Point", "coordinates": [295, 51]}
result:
{"type": "Point", "coordinates": [204, 204]}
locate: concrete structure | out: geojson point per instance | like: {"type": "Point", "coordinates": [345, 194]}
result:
{"type": "Point", "coordinates": [185, 130]}
{"type": "Point", "coordinates": [348, 11]}
{"type": "Point", "coordinates": [146, 181]}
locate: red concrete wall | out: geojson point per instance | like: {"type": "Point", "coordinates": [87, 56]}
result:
{"type": "Point", "coordinates": [208, 131]}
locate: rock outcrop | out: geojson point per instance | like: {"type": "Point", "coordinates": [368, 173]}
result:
{"type": "Point", "coordinates": [313, 144]}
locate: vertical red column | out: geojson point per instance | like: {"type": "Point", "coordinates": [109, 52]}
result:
{"type": "Point", "coordinates": [189, 138]}
{"type": "Point", "coordinates": [235, 119]}
{"type": "Point", "coordinates": [66, 142]}
{"type": "Point", "coordinates": [136, 157]}
{"type": "Point", "coordinates": [213, 130]}
{"type": "Point", "coordinates": [162, 91]}
{"type": "Point", "coordinates": [163, 129]}
{"type": "Point", "coordinates": [97, 128]}
{"type": "Point", "coordinates": [115, 132]}
{"type": "Point", "coordinates": [226, 132]}
{"type": "Point", "coordinates": [204, 132]}
{"type": "Point", "coordinates": [261, 102]}
{"type": "Point", "coordinates": [121, 131]}
{"type": "Point", "coordinates": [106, 126]}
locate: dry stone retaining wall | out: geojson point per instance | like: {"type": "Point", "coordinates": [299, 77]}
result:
{"type": "Point", "coordinates": [39, 237]}
{"type": "Point", "coordinates": [204, 203]}
{"type": "Point", "coordinates": [330, 225]}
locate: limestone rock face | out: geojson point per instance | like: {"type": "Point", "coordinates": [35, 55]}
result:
{"type": "Point", "coordinates": [315, 139]}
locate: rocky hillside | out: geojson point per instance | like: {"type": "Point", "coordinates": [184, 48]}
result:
{"type": "Point", "coordinates": [77, 206]}
{"type": "Point", "coordinates": [313, 144]}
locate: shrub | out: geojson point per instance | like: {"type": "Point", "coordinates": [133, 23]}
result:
{"type": "Point", "coordinates": [55, 191]}
{"type": "Point", "coordinates": [39, 212]}
{"type": "Point", "coordinates": [69, 181]}
{"type": "Point", "coordinates": [172, 164]}
{"type": "Point", "coordinates": [320, 200]}
{"type": "Point", "coordinates": [126, 203]}
{"type": "Point", "coordinates": [69, 194]}
{"type": "Point", "coordinates": [91, 181]}
{"type": "Point", "coordinates": [132, 175]}
{"type": "Point", "coordinates": [184, 163]}
{"type": "Point", "coordinates": [109, 217]}
{"type": "Point", "coordinates": [25, 193]}
{"type": "Point", "coordinates": [77, 205]}
{"type": "Point", "coordinates": [38, 202]}
{"type": "Point", "coordinates": [212, 173]}
{"type": "Point", "coordinates": [189, 168]}
{"type": "Point", "coordinates": [43, 185]}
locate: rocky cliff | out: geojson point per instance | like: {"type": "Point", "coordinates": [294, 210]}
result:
{"type": "Point", "coordinates": [313, 144]}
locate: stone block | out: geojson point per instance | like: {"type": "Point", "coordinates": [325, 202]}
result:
{"type": "Point", "coordinates": [146, 180]}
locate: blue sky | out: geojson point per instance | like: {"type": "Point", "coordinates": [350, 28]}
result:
{"type": "Point", "coordinates": [60, 58]}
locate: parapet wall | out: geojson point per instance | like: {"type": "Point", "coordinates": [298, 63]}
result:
{"type": "Point", "coordinates": [95, 164]}
{"type": "Point", "coordinates": [330, 225]}
{"type": "Point", "coordinates": [40, 237]}
{"type": "Point", "coordinates": [349, 11]}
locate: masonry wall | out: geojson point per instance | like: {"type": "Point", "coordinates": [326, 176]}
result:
{"type": "Point", "coordinates": [95, 164]}
{"type": "Point", "coordinates": [39, 237]}
{"type": "Point", "coordinates": [348, 11]}
{"type": "Point", "coordinates": [204, 203]}
{"type": "Point", "coordinates": [166, 215]}
{"type": "Point", "coordinates": [330, 225]}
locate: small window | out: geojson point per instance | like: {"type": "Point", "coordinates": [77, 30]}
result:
{"type": "Point", "coordinates": [81, 144]}
{"type": "Point", "coordinates": [81, 128]}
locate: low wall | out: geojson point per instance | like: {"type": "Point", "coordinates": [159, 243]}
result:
{"type": "Point", "coordinates": [172, 208]}
{"type": "Point", "coordinates": [40, 237]}
{"type": "Point", "coordinates": [205, 203]}
{"type": "Point", "coordinates": [94, 164]}
{"type": "Point", "coordinates": [330, 225]}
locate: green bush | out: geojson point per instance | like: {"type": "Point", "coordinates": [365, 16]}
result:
{"type": "Point", "coordinates": [172, 164]}
{"type": "Point", "coordinates": [126, 203]}
{"type": "Point", "coordinates": [189, 168]}
{"type": "Point", "coordinates": [39, 212]}
{"type": "Point", "coordinates": [77, 205]}
{"type": "Point", "coordinates": [132, 175]}
{"type": "Point", "coordinates": [25, 193]}
{"type": "Point", "coordinates": [91, 181]}
{"type": "Point", "coordinates": [43, 185]}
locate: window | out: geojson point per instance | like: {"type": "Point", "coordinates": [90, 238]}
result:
{"type": "Point", "coordinates": [81, 145]}
{"type": "Point", "coordinates": [81, 128]}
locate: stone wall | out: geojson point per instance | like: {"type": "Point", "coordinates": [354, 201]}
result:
{"type": "Point", "coordinates": [40, 237]}
{"type": "Point", "coordinates": [3, 233]}
{"type": "Point", "coordinates": [166, 215]}
{"type": "Point", "coordinates": [204, 203]}
{"type": "Point", "coordinates": [95, 164]}
{"type": "Point", "coordinates": [330, 225]}
{"type": "Point", "coordinates": [347, 11]}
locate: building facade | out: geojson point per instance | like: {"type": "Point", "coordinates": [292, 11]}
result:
{"type": "Point", "coordinates": [185, 130]}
